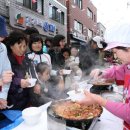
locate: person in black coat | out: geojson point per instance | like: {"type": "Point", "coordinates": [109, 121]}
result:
{"type": "Point", "coordinates": [89, 53]}
{"type": "Point", "coordinates": [22, 67]}
{"type": "Point", "coordinates": [57, 58]}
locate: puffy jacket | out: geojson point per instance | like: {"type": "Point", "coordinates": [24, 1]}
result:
{"type": "Point", "coordinates": [18, 96]}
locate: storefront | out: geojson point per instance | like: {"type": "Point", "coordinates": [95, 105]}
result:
{"type": "Point", "coordinates": [77, 39]}
{"type": "Point", "coordinates": [22, 19]}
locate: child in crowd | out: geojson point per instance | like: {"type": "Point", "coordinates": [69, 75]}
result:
{"type": "Point", "coordinates": [48, 87]}
{"type": "Point", "coordinates": [74, 55]}
{"type": "Point", "coordinates": [72, 63]}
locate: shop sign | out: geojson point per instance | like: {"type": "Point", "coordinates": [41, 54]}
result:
{"type": "Point", "coordinates": [78, 36]}
{"type": "Point", "coordinates": [19, 19]}
{"type": "Point", "coordinates": [48, 27]}
{"type": "Point", "coordinates": [29, 22]}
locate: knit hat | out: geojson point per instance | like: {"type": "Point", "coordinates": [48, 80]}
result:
{"type": "Point", "coordinates": [3, 32]}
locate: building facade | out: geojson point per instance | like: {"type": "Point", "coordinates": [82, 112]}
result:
{"type": "Point", "coordinates": [81, 20]}
{"type": "Point", "coordinates": [48, 16]}
{"type": "Point", "coordinates": [100, 29]}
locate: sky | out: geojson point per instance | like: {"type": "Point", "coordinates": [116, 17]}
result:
{"type": "Point", "coordinates": [110, 12]}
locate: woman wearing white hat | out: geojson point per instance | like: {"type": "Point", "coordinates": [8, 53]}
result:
{"type": "Point", "coordinates": [118, 39]}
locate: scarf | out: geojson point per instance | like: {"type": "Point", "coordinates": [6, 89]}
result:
{"type": "Point", "coordinates": [19, 59]}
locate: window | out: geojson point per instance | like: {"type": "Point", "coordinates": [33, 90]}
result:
{"type": "Point", "coordinates": [62, 17]}
{"type": "Point", "coordinates": [37, 6]}
{"type": "Point", "coordinates": [78, 3]}
{"type": "Point", "coordinates": [89, 13]}
{"type": "Point", "coordinates": [20, 2]}
{"type": "Point", "coordinates": [78, 26]}
{"type": "Point", "coordinates": [56, 14]}
{"type": "Point", "coordinates": [40, 6]}
{"type": "Point", "coordinates": [27, 3]}
{"type": "Point", "coordinates": [50, 11]}
{"type": "Point", "coordinates": [102, 33]}
{"type": "Point", "coordinates": [90, 33]}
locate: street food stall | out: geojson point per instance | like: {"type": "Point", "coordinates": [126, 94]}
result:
{"type": "Point", "coordinates": [53, 118]}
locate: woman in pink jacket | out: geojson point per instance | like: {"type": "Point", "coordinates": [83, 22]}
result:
{"type": "Point", "coordinates": [118, 39]}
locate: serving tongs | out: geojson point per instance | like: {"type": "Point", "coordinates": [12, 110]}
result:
{"type": "Point", "coordinates": [91, 80]}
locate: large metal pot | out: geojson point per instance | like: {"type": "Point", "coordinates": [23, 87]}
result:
{"type": "Point", "coordinates": [83, 124]}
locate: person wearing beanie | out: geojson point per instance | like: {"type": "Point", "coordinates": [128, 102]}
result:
{"type": "Point", "coordinates": [119, 43]}
{"type": "Point", "coordinates": [5, 68]}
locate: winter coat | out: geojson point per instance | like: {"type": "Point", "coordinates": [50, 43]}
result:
{"type": "Point", "coordinates": [18, 96]}
{"type": "Point", "coordinates": [4, 66]}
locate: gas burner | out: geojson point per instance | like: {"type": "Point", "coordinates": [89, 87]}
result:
{"type": "Point", "coordinates": [89, 127]}
{"type": "Point", "coordinates": [56, 122]}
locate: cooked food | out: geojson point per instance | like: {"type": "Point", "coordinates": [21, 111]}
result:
{"type": "Point", "coordinates": [101, 83]}
{"type": "Point", "coordinates": [74, 111]}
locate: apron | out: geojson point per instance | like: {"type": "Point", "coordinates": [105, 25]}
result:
{"type": "Point", "coordinates": [126, 87]}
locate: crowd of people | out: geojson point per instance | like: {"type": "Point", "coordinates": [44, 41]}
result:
{"type": "Point", "coordinates": [23, 55]}
{"type": "Point", "coordinates": [26, 50]}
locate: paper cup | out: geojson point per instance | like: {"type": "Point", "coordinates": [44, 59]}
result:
{"type": "Point", "coordinates": [77, 78]}
{"type": "Point", "coordinates": [66, 71]}
{"type": "Point", "coordinates": [32, 81]}
{"type": "Point", "coordinates": [31, 115]}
